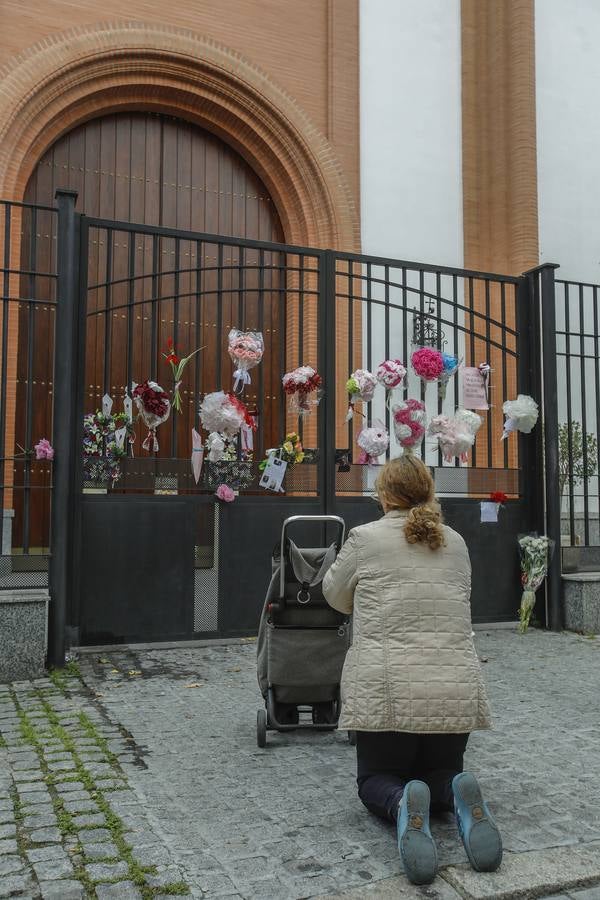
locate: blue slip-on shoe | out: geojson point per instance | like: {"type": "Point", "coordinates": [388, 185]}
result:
{"type": "Point", "coordinates": [476, 825]}
{"type": "Point", "coordinates": [415, 843]}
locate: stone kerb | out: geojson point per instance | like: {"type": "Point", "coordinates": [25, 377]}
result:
{"type": "Point", "coordinates": [23, 633]}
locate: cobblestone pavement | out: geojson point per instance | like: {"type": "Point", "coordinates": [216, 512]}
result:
{"type": "Point", "coordinates": [144, 780]}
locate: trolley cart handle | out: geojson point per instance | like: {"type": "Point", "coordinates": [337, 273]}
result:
{"type": "Point", "coordinates": [292, 520]}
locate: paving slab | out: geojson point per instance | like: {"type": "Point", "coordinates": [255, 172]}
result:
{"type": "Point", "coordinates": [535, 873]}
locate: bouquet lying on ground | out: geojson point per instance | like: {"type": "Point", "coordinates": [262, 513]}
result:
{"type": "Point", "coordinates": [535, 558]}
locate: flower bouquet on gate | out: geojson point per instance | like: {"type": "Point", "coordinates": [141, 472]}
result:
{"type": "Point", "coordinates": [177, 364]}
{"type": "Point", "coordinates": [360, 386]}
{"type": "Point", "coordinates": [373, 441]}
{"type": "Point", "coordinates": [410, 420]}
{"type": "Point", "coordinates": [303, 387]}
{"type": "Point", "coordinates": [246, 349]}
{"type": "Point", "coordinates": [431, 364]}
{"type": "Point", "coordinates": [154, 408]}
{"type": "Point", "coordinates": [535, 554]}
{"type": "Point", "coordinates": [103, 447]}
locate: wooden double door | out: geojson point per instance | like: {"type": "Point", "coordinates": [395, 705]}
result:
{"type": "Point", "coordinates": [153, 170]}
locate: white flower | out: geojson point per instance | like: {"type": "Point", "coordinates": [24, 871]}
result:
{"type": "Point", "coordinates": [523, 413]}
{"type": "Point", "coordinates": [469, 419]}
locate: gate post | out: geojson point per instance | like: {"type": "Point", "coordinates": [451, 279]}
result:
{"type": "Point", "coordinates": [544, 318]}
{"type": "Point", "coordinates": [65, 373]}
{"type": "Point", "coordinates": [327, 360]}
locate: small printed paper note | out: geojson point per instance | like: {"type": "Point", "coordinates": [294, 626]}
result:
{"type": "Point", "coordinates": [272, 477]}
{"type": "Point", "coordinates": [489, 512]}
{"type": "Point", "coordinates": [474, 392]}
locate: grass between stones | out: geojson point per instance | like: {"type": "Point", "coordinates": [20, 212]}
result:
{"type": "Point", "coordinates": [67, 826]}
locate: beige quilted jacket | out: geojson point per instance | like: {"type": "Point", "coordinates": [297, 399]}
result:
{"type": "Point", "coordinates": [412, 665]}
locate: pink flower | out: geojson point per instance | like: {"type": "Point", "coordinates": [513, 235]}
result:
{"type": "Point", "coordinates": [44, 449]}
{"type": "Point", "coordinates": [428, 363]}
{"type": "Point", "coordinates": [224, 492]}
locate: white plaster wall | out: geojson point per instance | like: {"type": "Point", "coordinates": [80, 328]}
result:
{"type": "Point", "coordinates": [411, 167]}
{"type": "Point", "coordinates": [410, 130]}
{"type": "Point", "coordinates": [567, 36]}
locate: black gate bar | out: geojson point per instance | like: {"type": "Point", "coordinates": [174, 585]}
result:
{"type": "Point", "coordinates": [64, 423]}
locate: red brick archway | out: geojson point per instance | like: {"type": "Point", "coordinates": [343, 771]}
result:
{"type": "Point", "coordinates": [85, 72]}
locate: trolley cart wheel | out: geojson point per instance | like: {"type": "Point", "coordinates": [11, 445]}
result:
{"type": "Point", "coordinates": [352, 738]}
{"type": "Point", "coordinates": [261, 728]}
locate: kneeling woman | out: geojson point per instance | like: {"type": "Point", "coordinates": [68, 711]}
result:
{"type": "Point", "coordinates": [412, 687]}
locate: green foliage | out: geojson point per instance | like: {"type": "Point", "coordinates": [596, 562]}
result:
{"type": "Point", "coordinates": [577, 455]}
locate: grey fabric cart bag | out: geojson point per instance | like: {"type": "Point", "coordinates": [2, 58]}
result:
{"type": "Point", "coordinates": [302, 642]}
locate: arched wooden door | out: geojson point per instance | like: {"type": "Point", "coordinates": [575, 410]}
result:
{"type": "Point", "coordinates": [157, 170]}
{"type": "Point", "coordinates": [154, 170]}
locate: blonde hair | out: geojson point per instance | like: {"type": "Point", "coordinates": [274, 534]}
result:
{"type": "Point", "coordinates": [406, 483]}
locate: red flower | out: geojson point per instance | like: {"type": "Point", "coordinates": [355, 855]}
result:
{"type": "Point", "coordinates": [243, 409]}
{"type": "Point", "coordinates": [173, 359]}
{"type": "Point", "coordinates": [498, 497]}
{"type": "Point", "coordinates": [170, 343]}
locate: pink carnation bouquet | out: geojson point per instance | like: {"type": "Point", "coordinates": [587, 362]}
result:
{"type": "Point", "coordinates": [410, 419]}
{"type": "Point", "coordinates": [246, 350]}
{"type": "Point", "coordinates": [225, 493]}
{"type": "Point", "coordinates": [427, 363]}
{"type": "Point", "coordinates": [373, 441]}
{"type": "Point", "coordinates": [391, 373]}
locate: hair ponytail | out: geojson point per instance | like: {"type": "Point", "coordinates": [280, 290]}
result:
{"type": "Point", "coordinates": [424, 526]}
{"type": "Point", "coordinates": [406, 483]}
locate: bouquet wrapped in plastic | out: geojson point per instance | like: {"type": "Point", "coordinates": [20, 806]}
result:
{"type": "Point", "coordinates": [246, 350]}
{"type": "Point", "coordinates": [410, 419]}
{"type": "Point", "coordinates": [102, 449]}
{"type": "Point", "coordinates": [427, 363]}
{"type": "Point", "coordinates": [154, 407]}
{"type": "Point", "coordinates": [451, 366]}
{"type": "Point", "coordinates": [361, 386]}
{"type": "Point", "coordinates": [431, 364]}
{"type": "Point", "coordinates": [373, 441]}
{"type": "Point", "coordinates": [456, 435]}
{"type": "Point", "coordinates": [521, 415]}
{"type": "Point", "coordinates": [535, 558]}
{"type": "Point", "coordinates": [215, 445]}
{"type": "Point", "coordinates": [390, 373]}
{"type": "Point", "coordinates": [224, 413]}
{"type": "Point", "coordinates": [303, 387]}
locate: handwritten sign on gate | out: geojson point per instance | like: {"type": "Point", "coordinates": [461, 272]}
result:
{"type": "Point", "coordinates": [473, 389]}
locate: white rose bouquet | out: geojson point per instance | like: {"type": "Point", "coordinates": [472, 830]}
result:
{"type": "Point", "coordinates": [535, 558]}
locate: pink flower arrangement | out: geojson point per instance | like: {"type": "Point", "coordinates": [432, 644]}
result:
{"type": "Point", "coordinates": [391, 373]}
{"type": "Point", "coordinates": [246, 350]}
{"type": "Point", "coordinates": [44, 449]}
{"type": "Point", "coordinates": [428, 363]}
{"type": "Point", "coordinates": [224, 492]}
{"type": "Point", "coordinates": [409, 422]}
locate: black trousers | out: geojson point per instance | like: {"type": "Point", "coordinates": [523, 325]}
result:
{"type": "Point", "coordinates": [388, 760]}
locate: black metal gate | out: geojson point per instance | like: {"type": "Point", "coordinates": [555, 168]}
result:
{"type": "Point", "coordinates": [151, 554]}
